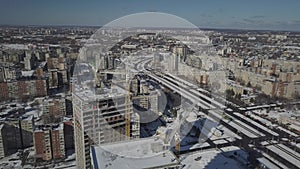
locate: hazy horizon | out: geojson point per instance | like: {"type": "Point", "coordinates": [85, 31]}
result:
{"type": "Point", "coordinates": [231, 14]}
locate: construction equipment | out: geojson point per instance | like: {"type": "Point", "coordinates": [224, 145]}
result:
{"type": "Point", "coordinates": [127, 102]}
{"type": "Point", "coordinates": [177, 141]}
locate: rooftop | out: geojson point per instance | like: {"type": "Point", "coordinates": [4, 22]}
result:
{"type": "Point", "coordinates": [134, 154]}
{"type": "Point", "coordinates": [41, 128]}
{"type": "Point", "coordinates": [90, 95]}
{"type": "Point", "coordinates": [211, 159]}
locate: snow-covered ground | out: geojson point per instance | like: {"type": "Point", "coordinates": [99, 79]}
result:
{"type": "Point", "coordinates": [14, 162]}
{"type": "Point", "coordinates": [212, 159]}
{"type": "Point", "coordinates": [11, 162]}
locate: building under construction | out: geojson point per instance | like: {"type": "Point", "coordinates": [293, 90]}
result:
{"type": "Point", "coordinates": [102, 118]}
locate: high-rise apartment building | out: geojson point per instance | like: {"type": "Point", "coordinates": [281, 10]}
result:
{"type": "Point", "coordinates": [49, 142]}
{"type": "Point", "coordinates": [98, 119]}
{"type": "Point", "coordinates": [26, 127]}
{"type": "Point", "coordinates": [16, 132]}
{"type": "Point", "coordinates": [23, 89]}
{"type": "Point", "coordinates": [58, 142]}
{"type": "Point", "coordinates": [10, 139]}
{"type": "Point", "coordinates": [42, 144]}
{"type": "Point", "coordinates": [55, 107]}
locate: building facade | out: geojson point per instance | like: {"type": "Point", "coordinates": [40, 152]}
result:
{"type": "Point", "coordinates": [49, 142]}
{"type": "Point", "coordinates": [99, 119]}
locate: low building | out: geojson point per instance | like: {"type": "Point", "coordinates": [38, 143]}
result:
{"type": "Point", "coordinates": [134, 154]}
{"type": "Point", "coordinates": [215, 158]}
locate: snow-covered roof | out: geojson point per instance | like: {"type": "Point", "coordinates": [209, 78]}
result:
{"type": "Point", "coordinates": [135, 154]}
{"type": "Point", "coordinates": [267, 163]}
{"type": "Point", "coordinates": [27, 73]}
{"type": "Point", "coordinates": [256, 124]}
{"type": "Point", "coordinates": [15, 46]}
{"type": "Point", "coordinates": [286, 153]}
{"type": "Point", "coordinates": [209, 159]}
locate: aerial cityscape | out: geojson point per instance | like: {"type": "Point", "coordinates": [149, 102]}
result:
{"type": "Point", "coordinates": [149, 90]}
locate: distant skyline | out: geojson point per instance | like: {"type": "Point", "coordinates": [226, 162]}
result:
{"type": "Point", "coordinates": [232, 14]}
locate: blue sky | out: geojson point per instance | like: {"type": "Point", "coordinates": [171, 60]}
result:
{"type": "Point", "coordinates": [250, 14]}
